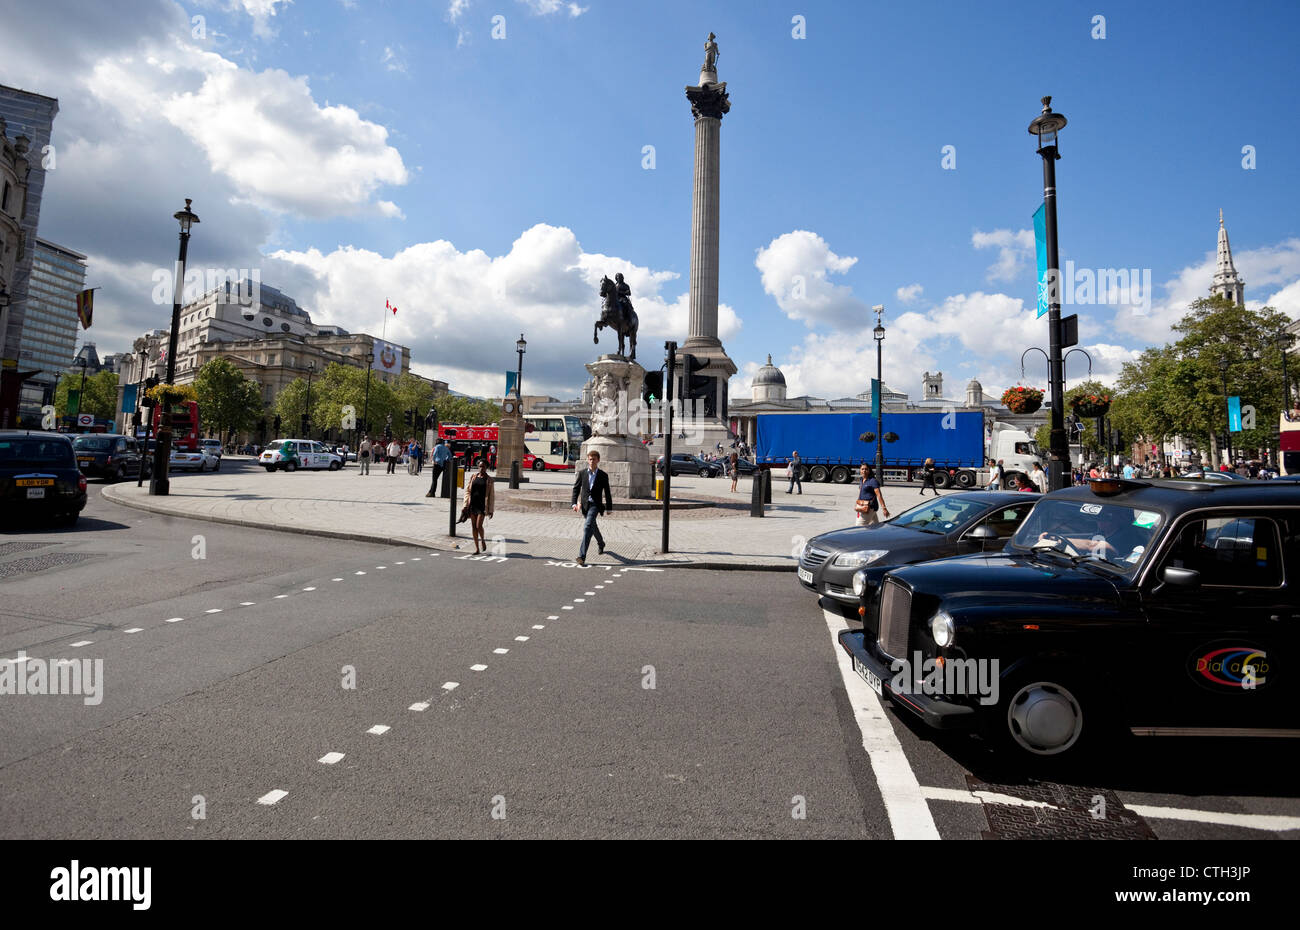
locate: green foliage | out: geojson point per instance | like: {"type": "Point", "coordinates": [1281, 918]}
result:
{"type": "Point", "coordinates": [228, 401]}
{"type": "Point", "coordinates": [467, 410]}
{"type": "Point", "coordinates": [101, 394]}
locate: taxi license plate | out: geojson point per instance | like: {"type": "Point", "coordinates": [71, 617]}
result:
{"type": "Point", "coordinates": [866, 675]}
{"type": "Point", "coordinates": [35, 493]}
{"type": "Point", "coordinates": [35, 482]}
{"type": "Point", "coordinates": [804, 575]}
{"type": "Point", "coordinates": [84, 460]}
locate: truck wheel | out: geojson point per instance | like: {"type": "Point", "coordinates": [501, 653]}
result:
{"type": "Point", "coordinates": [819, 473]}
{"type": "Point", "coordinates": [1015, 481]}
{"type": "Point", "coordinates": [840, 474]}
{"type": "Point", "coordinates": [941, 479]}
{"type": "Point", "coordinates": [965, 479]}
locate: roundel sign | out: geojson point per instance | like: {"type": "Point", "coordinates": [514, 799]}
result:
{"type": "Point", "coordinates": [85, 419]}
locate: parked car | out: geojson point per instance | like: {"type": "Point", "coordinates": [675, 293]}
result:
{"type": "Point", "coordinates": [110, 456]}
{"type": "Point", "coordinates": [202, 460]}
{"type": "Point", "coordinates": [292, 454]}
{"type": "Point", "coordinates": [1149, 607]}
{"type": "Point", "coordinates": [1213, 476]}
{"type": "Point", "coordinates": [684, 463]}
{"type": "Point", "coordinates": [957, 524]}
{"type": "Point", "coordinates": [39, 476]}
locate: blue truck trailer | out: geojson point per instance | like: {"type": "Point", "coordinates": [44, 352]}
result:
{"type": "Point", "coordinates": [830, 446]}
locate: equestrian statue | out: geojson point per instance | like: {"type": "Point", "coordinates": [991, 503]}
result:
{"type": "Point", "coordinates": [617, 313]}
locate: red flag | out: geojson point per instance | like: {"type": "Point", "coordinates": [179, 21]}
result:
{"type": "Point", "coordinates": [394, 311]}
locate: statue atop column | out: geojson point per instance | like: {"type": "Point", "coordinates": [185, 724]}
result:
{"type": "Point", "coordinates": [710, 54]}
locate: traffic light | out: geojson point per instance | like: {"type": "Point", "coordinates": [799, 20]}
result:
{"type": "Point", "coordinates": [406, 418]}
{"type": "Point", "coordinates": [653, 389]}
{"type": "Point", "coordinates": [149, 384]}
{"type": "Point", "coordinates": [694, 385]}
{"type": "Point", "coordinates": [303, 423]}
{"type": "Point", "coordinates": [277, 425]}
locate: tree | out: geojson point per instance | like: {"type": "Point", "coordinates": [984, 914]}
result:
{"type": "Point", "coordinates": [101, 394]}
{"type": "Point", "coordinates": [290, 405]}
{"type": "Point", "coordinates": [414, 394]}
{"type": "Point", "coordinates": [467, 410]}
{"type": "Point", "coordinates": [344, 386]}
{"type": "Point", "coordinates": [228, 401]}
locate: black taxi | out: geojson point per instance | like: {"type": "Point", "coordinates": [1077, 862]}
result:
{"type": "Point", "coordinates": [1127, 606]}
{"type": "Point", "coordinates": [39, 476]}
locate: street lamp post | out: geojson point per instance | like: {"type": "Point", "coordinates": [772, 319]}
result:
{"type": "Point", "coordinates": [521, 346]}
{"type": "Point", "coordinates": [1045, 127]}
{"type": "Point", "coordinates": [879, 399]}
{"type": "Point", "coordinates": [1227, 410]}
{"type": "Point", "coordinates": [1283, 341]}
{"type": "Point", "coordinates": [306, 415]}
{"type": "Point", "coordinates": [160, 484]}
{"type": "Point", "coordinates": [81, 397]}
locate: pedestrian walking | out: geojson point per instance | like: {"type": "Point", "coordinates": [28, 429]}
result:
{"type": "Point", "coordinates": [441, 456]}
{"type": "Point", "coordinates": [792, 472]}
{"type": "Point", "coordinates": [481, 501]}
{"type": "Point", "coordinates": [393, 453]}
{"type": "Point", "coordinates": [410, 457]}
{"type": "Point", "coordinates": [733, 470]}
{"type": "Point", "coordinates": [1039, 478]}
{"type": "Point", "coordinates": [419, 457]}
{"type": "Point", "coordinates": [927, 478]}
{"type": "Point", "coordinates": [997, 477]}
{"type": "Point", "coordinates": [363, 455]}
{"type": "Point", "coordinates": [871, 501]}
{"type": "Point", "coordinates": [587, 500]}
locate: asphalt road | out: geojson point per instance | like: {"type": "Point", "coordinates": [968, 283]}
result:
{"type": "Point", "coordinates": [521, 698]}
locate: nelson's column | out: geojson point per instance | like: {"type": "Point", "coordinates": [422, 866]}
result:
{"type": "Point", "coordinates": [708, 103]}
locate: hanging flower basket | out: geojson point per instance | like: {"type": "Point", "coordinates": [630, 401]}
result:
{"type": "Point", "coordinates": [1021, 399]}
{"type": "Point", "coordinates": [1089, 406]}
{"type": "Point", "coordinates": [868, 437]}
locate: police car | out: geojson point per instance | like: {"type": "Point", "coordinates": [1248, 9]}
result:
{"type": "Point", "coordinates": [292, 454]}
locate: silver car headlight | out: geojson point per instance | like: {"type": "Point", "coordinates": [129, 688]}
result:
{"type": "Point", "coordinates": [860, 558]}
{"type": "Point", "coordinates": [859, 582]}
{"type": "Point", "coordinates": [942, 629]}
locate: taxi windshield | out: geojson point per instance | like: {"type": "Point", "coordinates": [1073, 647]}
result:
{"type": "Point", "coordinates": [274, 445]}
{"type": "Point", "coordinates": [93, 444]}
{"type": "Point", "coordinates": [1114, 536]}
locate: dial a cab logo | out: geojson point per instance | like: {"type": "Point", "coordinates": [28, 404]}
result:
{"type": "Point", "coordinates": [387, 357]}
{"type": "Point", "coordinates": [1226, 667]}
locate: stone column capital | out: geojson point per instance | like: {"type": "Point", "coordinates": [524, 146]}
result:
{"type": "Point", "coordinates": [709, 101]}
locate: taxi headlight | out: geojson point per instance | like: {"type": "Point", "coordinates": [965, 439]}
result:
{"type": "Point", "coordinates": [859, 582]}
{"type": "Point", "coordinates": [860, 558]}
{"type": "Point", "coordinates": [942, 629]}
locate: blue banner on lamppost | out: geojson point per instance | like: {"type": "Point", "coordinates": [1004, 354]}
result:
{"type": "Point", "coordinates": [510, 383]}
{"type": "Point", "coordinates": [128, 398]}
{"type": "Point", "coordinates": [1234, 414]}
{"type": "Point", "coordinates": [1040, 246]}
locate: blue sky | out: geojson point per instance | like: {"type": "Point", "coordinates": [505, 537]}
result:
{"type": "Point", "coordinates": [490, 181]}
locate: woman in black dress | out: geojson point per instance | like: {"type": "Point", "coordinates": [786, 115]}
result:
{"type": "Point", "coordinates": [927, 478]}
{"type": "Point", "coordinates": [481, 501]}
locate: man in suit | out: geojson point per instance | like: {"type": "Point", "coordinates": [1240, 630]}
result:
{"type": "Point", "coordinates": [590, 484]}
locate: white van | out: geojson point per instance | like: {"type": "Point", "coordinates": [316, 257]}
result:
{"type": "Point", "coordinates": [292, 454]}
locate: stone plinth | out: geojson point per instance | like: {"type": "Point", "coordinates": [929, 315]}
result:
{"type": "Point", "coordinates": [615, 416]}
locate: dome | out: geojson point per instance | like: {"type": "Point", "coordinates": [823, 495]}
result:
{"type": "Point", "coordinates": [974, 385]}
{"type": "Point", "coordinates": [768, 374]}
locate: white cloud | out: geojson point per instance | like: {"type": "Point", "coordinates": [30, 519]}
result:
{"type": "Point", "coordinates": [910, 294]}
{"type": "Point", "coordinates": [456, 9]}
{"type": "Point", "coordinates": [1014, 251]}
{"type": "Point", "coordinates": [794, 269]}
{"type": "Point", "coordinates": [257, 129]}
{"type": "Point", "coordinates": [461, 311]}
{"type": "Point", "coordinates": [262, 12]}
{"type": "Point", "coordinates": [392, 61]}
{"type": "Point", "coordinates": [547, 7]}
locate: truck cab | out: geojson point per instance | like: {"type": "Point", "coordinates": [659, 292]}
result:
{"type": "Point", "coordinates": [1017, 451]}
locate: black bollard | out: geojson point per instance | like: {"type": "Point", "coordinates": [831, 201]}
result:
{"type": "Point", "coordinates": [446, 479]}
{"type": "Point", "coordinates": [756, 496]}
{"type": "Point", "coordinates": [451, 502]}
{"type": "Point", "coordinates": [514, 476]}
{"type": "Point", "coordinates": [767, 485]}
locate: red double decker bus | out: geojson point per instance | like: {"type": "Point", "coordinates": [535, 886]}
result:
{"type": "Point", "coordinates": [185, 425]}
{"type": "Point", "coordinates": [470, 443]}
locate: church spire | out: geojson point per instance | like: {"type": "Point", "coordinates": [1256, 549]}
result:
{"type": "Point", "coordinates": [1227, 283]}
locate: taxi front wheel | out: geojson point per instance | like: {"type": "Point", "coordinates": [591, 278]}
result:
{"type": "Point", "coordinates": [1044, 716]}
{"type": "Point", "coordinates": [270, 468]}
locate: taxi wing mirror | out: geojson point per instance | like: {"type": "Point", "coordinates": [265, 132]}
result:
{"type": "Point", "coordinates": [983, 531]}
{"type": "Point", "coordinates": [1181, 577]}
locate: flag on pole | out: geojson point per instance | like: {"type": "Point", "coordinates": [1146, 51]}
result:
{"type": "Point", "coordinates": [390, 306]}
{"type": "Point", "coordinates": [86, 306]}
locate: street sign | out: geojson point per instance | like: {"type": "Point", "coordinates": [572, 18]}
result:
{"type": "Point", "coordinates": [85, 419]}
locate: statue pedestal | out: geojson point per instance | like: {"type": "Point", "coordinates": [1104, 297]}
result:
{"type": "Point", "coordinates": [616, 415]}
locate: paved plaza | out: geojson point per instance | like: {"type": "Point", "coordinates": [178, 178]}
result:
{"type": "Point", "coordinates": [385, 508]}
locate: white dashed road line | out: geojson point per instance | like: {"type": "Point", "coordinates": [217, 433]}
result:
{"type": "Point", "coordinates": [134, 629]}
{"type": "Point", "coordinates": [174, 620]}
{"type": "Point", "coordinates": [500, 652]}
{"type": "Point", "coordinates": [521, 639]}
{"type": "Point", "coordinates": [419, 706]}
{"type": "Point", "coordinates": [330, 758]}
{"type": "Point", "coordinates": [905, 803]}
{"type": "Point", "coordinates": [379, 729]}
{"type": "Point", "coordinates": [214, 610]}
{"type": "Point", "coordinates": [450, 685]}
{"type": "Point", "coordinates": [273, 797]}
{"type": "Point", "coordinates": [541, 626]}
{"type": "Point", "coordinates": [84, 642]}
{"type": "Point", "coordinates": [478, 668]}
